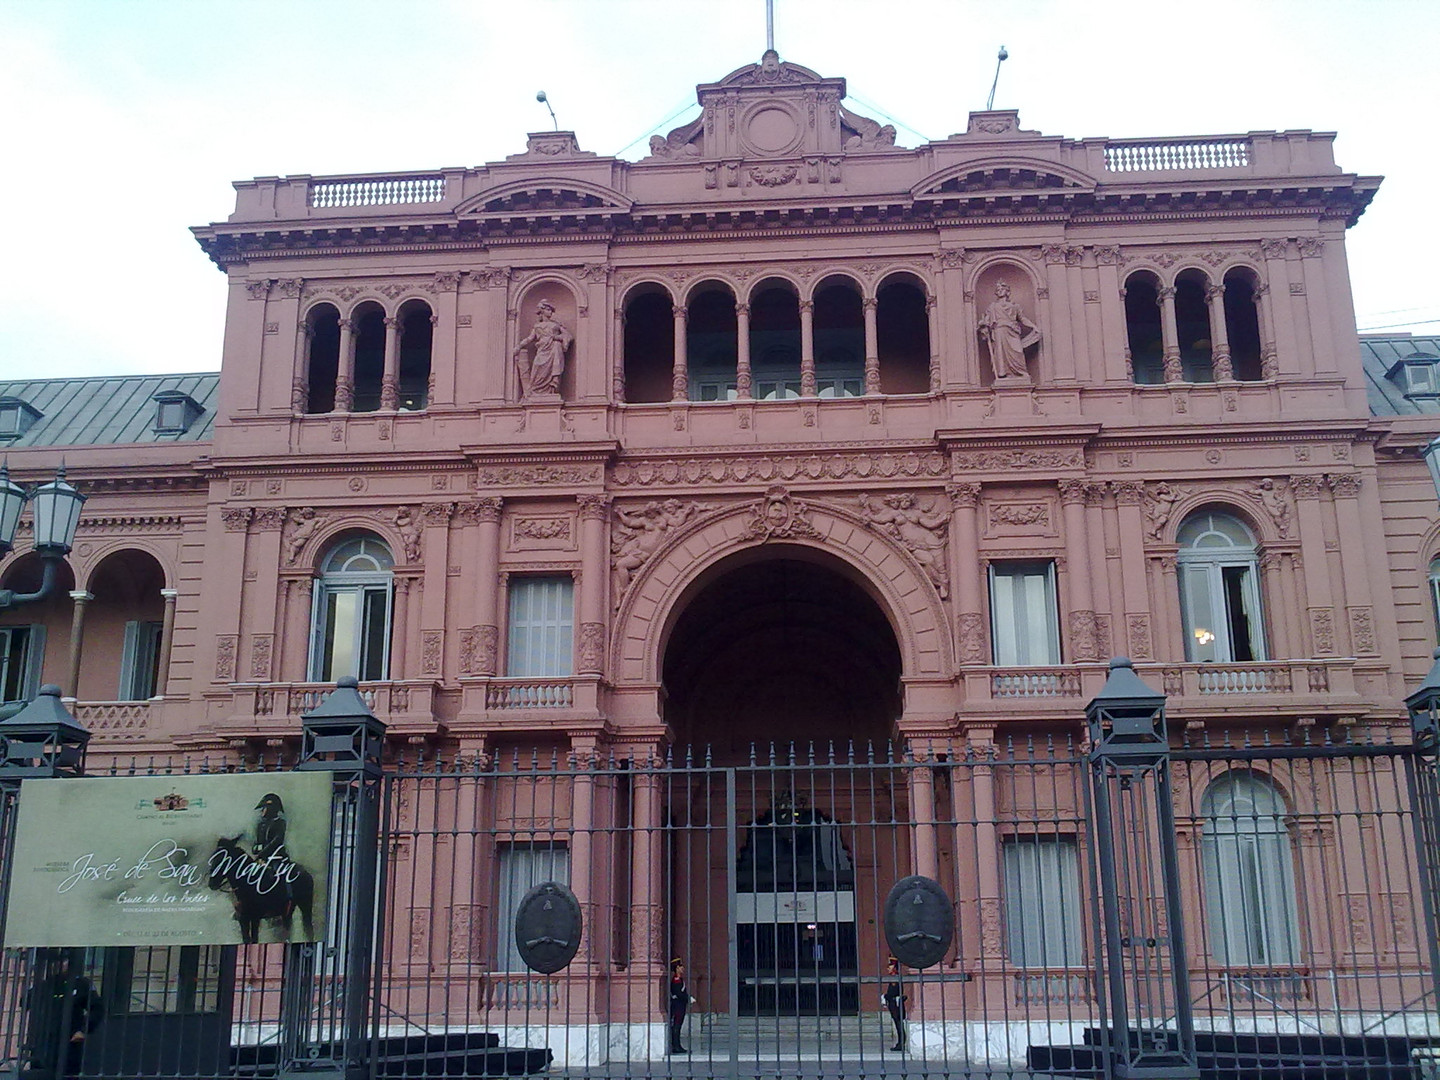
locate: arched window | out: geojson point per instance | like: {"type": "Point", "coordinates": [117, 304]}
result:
{"type": "Point", "coordinates": [839, 337]}
{"type": "Point", "coordinates": [1250, 910]}
{"type": "Point", "coordinates": [322, 362]}
{"type": "Point", "coordinates": [775, 341]}
{"type": "Point", "coordinates": [1192, 326]}
{"type": "Point", "coordinates": [417, 335]}
{"type": "Point", "coordinates": [902, 331]}
{"type": "Point", "coordinates": [649, 345]}
{"type": "Point", "coordinates": [1435, 596]}
{"type": "Point", "coordinates": [1219, 590]}
{"type": "Point", "coordinates": [1242, 324]}
{"type": "Point", "coordinates": [711, 343]}
{"type": "Point", "coordinates": [350, 632]}
{"type": "Point", "coordinates": [1142, 327]}
{"type": "Point", "coordinates": [369, 320]}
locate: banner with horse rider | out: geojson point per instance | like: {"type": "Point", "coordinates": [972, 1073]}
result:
{"type": "Point", "coordinates": [240, 858]}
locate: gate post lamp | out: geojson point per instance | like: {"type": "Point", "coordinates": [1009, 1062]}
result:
{"type": "Point", "coordinates": [1144, 966]}
{"type": "Point", "coordinates": [343, 737]}
{"type": "Point", "coordinates": [42, 739]}
{"type": "Point", "coordinates": [56, 507]}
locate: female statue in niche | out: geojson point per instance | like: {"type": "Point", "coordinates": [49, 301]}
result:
{"type": "Point", "coordinates": [540, 357]}
{"type": "Point", "coordinates": [1008, 333]}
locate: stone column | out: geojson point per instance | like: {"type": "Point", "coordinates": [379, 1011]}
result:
{"type": "Point", "coordinates": [167, 639]}
{"type": "Point", "coordinates": [743, 389]}
{"type": "Point", "coordinates": [922, 814]}
{"type": "Point", "coordinates": [1316, 562]}
{"type": "Point", "coordinates": [345, 376]}
{"type": "Point", "coordinates": [1173, 624]}
{"type": "Point", "coordinates": [1059, 344]}
{"type": "Point", "coordinates": [390, 381]}
{"type": "Point", "coordinates": [932, 316]}
{"type": "Point", "coordinates": [1219, 333]}
{"type": "Point", "coordinates": [617, 372]}
{"type": "Point", "coordinates": [1137, 630]}
{"type": "Point", "coordinates": [807, 348]}
{"type": "Point", "coordinates": [1282, 615]}
{"type": "Point", "coordinates": [594, 574]}
{"type": "Point", "coordinates": [77, 640]}
{"type": "Point", "coordinates": [582, 823]}
{"type": "Point", "coordinates": [487, 584]}
{"type": "Point", "coordinates": [1269, 351]}
{"type": "Point", "coordinates": [400, 627]}
{"type": "Point", "coordinates": [970, 618]}
{"type": "Point", "coordinates": [1170, 335]}
{"type": "Point", "coordinates": [295, 646]}
{"type": "Point", "coordinates": [680, 373]}
{"type": "Point", "coordinates": [1083, 645]}
{"type": "Point", "coordinates": [1359, 611]}
{"type": "Point", "coordinates": [987, 845]}
{"type": "Point", "coordinates": [646, 910]}
{"type": "Point", "coordinates": [300, 383]}
{"type": "Point", "coordinates": [872, 347]}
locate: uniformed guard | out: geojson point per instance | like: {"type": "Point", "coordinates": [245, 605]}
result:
{"type": "Point", "coordinates": [680, 1000]}
{"type": "Point", "coordinates": [894, 1000]}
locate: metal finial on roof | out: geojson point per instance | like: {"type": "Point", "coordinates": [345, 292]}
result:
{"type": "Point", "coordinates": [769, 25]}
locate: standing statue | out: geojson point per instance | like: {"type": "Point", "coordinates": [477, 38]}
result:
{"type": "Point", "coordinates": [540, 357]}
{"type": "Point", "coordinates": [1008, 333]}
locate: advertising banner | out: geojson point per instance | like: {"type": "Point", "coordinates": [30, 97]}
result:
{"type": "Point", "coordinates": [170, 860]}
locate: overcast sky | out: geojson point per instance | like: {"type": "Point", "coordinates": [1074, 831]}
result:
{"type": "Point", "coordinates": [123, 122]}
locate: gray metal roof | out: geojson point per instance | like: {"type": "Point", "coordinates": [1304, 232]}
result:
{"type": "Point", "coordinates": [108, 410]}
{"type": "Point", "coordinates": [1378, 354]}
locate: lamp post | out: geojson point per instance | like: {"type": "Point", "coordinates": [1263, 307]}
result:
{"type": "Point", "coordinates": [1423, 773]}
{"type": "Point", "coordinates": [1151, 1029]}
{"type": "Point", "coordinates": [56, 508]}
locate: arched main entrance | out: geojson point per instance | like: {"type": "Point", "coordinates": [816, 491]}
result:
{"type": "Point", "coordinates": [782, 685]}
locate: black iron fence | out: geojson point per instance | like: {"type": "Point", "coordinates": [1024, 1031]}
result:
{"type": "Point", "coordinates": [1309, 940]}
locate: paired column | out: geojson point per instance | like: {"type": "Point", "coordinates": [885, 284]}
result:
{"type": "Point", "coordinates": [743, 389]}
{"type": "Point", "coordinates": [680, 374]}
{"type": "Point", "coordinates": [167, 639]}
{"type": "Point", "coordinates": [807, 348]}
{"type": "Point", "coordinates": [77, 640]}
{"type": "Point", "coordinates": [390, 381]}
{"type": "Point", "coordinates": [593, 511]}
{"type": "Point", "coordinates": [1170, 335]}
{"type": "Point", "coordinates": [872, 347]}
{"type": "Point", "coordinates": [1083, 641]}
{"type": "Point", "coordinates": [345, 377]}
{"type": "Point", "coordinates": [1219, 333]}
{"type": "Point", "coordinates": [487, 590]}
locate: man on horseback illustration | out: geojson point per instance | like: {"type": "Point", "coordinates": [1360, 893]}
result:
{"type": "Point", "coordinates": [269, 847]}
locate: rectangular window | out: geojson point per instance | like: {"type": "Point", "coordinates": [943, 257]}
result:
{"type": "Point", "coordinates": [1043, 901]}
{"type": "Point", "coordinates": [140, 661]}
{"type": "Point", "coordinates": [354, 633]}
{"type": "Point", "coordinates": [542, 635]}
{"type": "Point", "coordinates": [1024, 620]}
{"type": "Point", "coordinates": [522, 867]}
{"type": "Point", "coordinates": [1221, 608]}
{"type": "Point", "coordinates": [22, 651]}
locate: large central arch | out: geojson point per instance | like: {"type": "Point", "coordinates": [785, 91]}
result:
{"type": "Point", "coordinates": [874, 561]}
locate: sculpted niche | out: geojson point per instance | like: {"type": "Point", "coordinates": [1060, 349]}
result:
{"type": "Point", "coordinates": [542, 353]}
{"type": "Point", "coordinates": [1007, 326]}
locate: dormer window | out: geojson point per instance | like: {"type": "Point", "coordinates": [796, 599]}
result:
{"type": "Point", "coordinates": [17, 416]}
{"type": "Point", "coordinates": [1418, 374]}
{"type": "Point", "coordinates": [175, 412]}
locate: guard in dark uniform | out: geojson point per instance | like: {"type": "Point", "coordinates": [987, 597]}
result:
{"type": "Point", "coordinates": [894, 1000]}
{"type": "Point", "coordinates": [65, 1008]}
{"type": "Point", "coordinates": [680, 1000]}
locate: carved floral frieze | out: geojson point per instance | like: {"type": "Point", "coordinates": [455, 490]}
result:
{"type": "Point", "coordinates": [788, 467]}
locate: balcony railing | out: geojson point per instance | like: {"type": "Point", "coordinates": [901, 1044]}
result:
{"type": "Point", "coordinates": [377, 191]}
{"type": "Point", "coordinates": [1167, 155]}
{"type": "Point", "coordinates": [1080, 682]}
{"type": "Point", "coordinates": [113, 720]}
{"type": "Point", "coordinates": [505, 694]}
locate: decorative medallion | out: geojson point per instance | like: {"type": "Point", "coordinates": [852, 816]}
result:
{"type": "Point", "coordinates": [548, 925]}
{"type": "Point", "coordinates": [919, 921]}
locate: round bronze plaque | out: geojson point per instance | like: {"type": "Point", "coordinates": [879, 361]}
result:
{"type": "Point", "coordinates": [548, 924]}
{"type": "Point", "coordinates": [919, 921]}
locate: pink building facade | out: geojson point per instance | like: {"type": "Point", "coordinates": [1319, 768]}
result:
{"type": "Point", "coordinates": [783, 434]}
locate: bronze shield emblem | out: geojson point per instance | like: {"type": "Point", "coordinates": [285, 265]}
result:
{"type": "Point", "coordinates": [919, 921]}
{"type": "Point", "coordinates": [548, 924]}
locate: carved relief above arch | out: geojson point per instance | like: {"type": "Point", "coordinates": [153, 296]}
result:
{"type": "Point", "coordinates": [880, 564]}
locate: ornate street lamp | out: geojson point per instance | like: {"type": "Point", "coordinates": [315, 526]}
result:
{"type": "Point", "coordinates": [56, 510]}
{"type": "Point", "coordinates": [1431, 454]}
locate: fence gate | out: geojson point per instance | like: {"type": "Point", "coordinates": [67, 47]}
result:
{"type": "Point", "coordinates": [1301, 868]}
